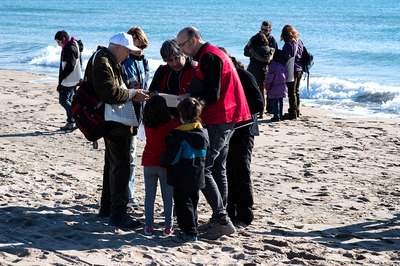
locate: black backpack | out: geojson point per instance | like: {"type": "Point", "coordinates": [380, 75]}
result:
{"type": "Point", "coordinates": [307, 61]}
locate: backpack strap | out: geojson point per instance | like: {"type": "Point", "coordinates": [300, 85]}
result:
{"type": "Point", "coordinates": [297, 46]}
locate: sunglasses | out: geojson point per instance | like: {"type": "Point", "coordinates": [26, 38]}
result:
{"type": "Point", "coordinates": [142, 47]}
{"type": "Point", "coordinates": [265, 29]}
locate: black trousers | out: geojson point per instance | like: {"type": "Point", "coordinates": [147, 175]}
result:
{"type": "Point", "coordinates": [240, 191]}
{"type": "Point", "coordinates": [116, 173]}
{"type": "Point", "coordinates": [185, 203]}
{"type": "Point", "coordinates": [294, 94]}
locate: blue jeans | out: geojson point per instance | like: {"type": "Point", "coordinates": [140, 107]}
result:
{"type": "Point", "coordinates": [216, 190]}
{"type": "Point", "coordinates": [132, 163]}
{"type": "Point", "coordinates": [278, 108]}
{"type": "Point", "coordinates": [65, 99]}
{"type": "Point", "coordinates": [151, 176]}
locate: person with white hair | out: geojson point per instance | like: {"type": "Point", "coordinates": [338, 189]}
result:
{"type": "Point", "coordinates": [104, 75]}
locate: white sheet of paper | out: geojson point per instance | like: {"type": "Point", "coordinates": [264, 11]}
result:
{"type": "Point", "coordinates": [172, 100]}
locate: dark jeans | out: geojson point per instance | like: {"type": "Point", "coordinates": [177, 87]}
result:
{"type": "Point", "coordinates": [278, 108]}
{"type": "Point", "coordinates": [216, 190]}
{"type": "Point", "coordinates": [294, 94]}
{"type": "Point", "coordinates": [240, 200]}
{"type": "Point", "coordinates": [115, 194]}
{"type": "Point", "coordinates": [185, 203]}
{"type": "Point", "coordinates": [65, 95]}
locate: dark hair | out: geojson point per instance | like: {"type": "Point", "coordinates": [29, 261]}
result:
{"type": "Point", "coordinates": [156, 112]}
{"type": "Point", "coordinates": [278, 56]}
{"type": "Point", "coordinates": [266, 23]}
{"type": "Point", "coordinates": [168, 48]}
{"type": "Point", "coordinates": [189, 109]}
{"type": "Point", "coordinates": [259, 40]}
{"type": "Point", "coordinates": [60, 35]}
{"type": "Point", "coordinates": [236, 63]}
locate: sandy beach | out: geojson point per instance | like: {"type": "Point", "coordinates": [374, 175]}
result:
{"type": "Point", "coordinates": [326, 190]}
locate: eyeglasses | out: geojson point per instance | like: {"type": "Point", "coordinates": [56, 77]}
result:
{"type": "Point", "coordinates": [182, 44]}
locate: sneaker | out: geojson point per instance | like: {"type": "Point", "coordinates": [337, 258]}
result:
{"type": "Point", "coordinates": [183, 238]}
{"type": "Point", "coordinates": [218, 230]}
{"type": "Point", "coordinates": [69, 126]}
{"type": "Point", "coordinates": [168, 231]}
{"type": "Point", "coordinates": [125, 222]}
{"type": "Point", "coordinates": [148, 230]}
{"type": "Point", "coordinates": [205, 227]}
{"type": "Point", "coordinates": [134, 206]}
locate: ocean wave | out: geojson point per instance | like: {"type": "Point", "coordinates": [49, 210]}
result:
{"type": "Point", "coordinates": [345, 94]}
{"type": "Point", "coordinates": [351, 95]}
{"type": "Point", "coordinates": [50, 57]}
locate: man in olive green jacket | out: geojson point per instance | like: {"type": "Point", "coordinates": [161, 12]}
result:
{"type": "Point", "coordinates": [104, 74]}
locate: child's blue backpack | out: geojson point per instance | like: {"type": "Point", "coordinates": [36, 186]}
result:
{"type": "Point", "coordinates": [307, 60]}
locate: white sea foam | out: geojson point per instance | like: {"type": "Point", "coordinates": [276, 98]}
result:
{"type": "Point", "coordinates": [361, 98]}
{"type": "Point", "coordinates": [50, 56]}
{"type": "Point", "coordinates": [358, 97]}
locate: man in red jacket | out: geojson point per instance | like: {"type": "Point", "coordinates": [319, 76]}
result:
{"type": "Point", "coordinates": [217, 83]}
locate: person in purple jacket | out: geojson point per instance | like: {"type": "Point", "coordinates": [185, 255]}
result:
{"type": "Point", "coordinates": [275, 84]}
{"type": "Point", "coordinates": [292, 53]}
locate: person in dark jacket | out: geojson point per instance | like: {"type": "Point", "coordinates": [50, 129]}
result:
{"type": "Point", "coordinates": [275, 84]}
{"type": "Point", "coordinates": [70, 73]}
{"type": "Point", "coordinates": [185, 158]}
{"type": "Point", "coordinates": [260, 62]}
{"type": "Point", "coordinates": [174, 77]}
{"type": "Point", "coordinates": [260, 54]}
{"type": "Point", "coordinates": [104, 74]}
{"type": "Point", "coordinates": [240, 190]}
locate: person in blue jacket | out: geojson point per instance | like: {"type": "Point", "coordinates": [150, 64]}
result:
{"type": "Point", "coordinates": [136, 69]}
{"type": "Point", "coordinates": [185, 158]}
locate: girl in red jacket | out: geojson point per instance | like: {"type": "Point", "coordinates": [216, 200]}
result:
{"type": "Point", "coordinates": [158, 122]}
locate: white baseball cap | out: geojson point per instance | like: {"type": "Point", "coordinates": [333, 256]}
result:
{"type": "Point", "coordinates": [125, 40]}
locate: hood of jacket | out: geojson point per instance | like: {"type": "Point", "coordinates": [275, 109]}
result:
{"type": "Point", "coordinates": [194, 134]}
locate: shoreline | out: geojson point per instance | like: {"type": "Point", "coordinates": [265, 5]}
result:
{"type": "Point", "coordinates": [326, 190]}
{"type": "Point", "coordinates": [370, 109]}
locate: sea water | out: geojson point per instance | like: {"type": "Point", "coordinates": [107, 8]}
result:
{"type": "Point", "coordinates": [356, 44]}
